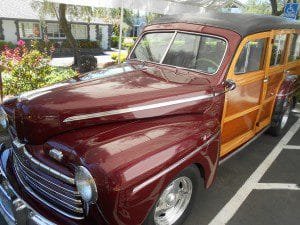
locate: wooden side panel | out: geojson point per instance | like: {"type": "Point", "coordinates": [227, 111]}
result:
{"type": "Point", "coordinates": [266, 111]}
{"type": "Point", "coordinates": [238, 126]}
{"type": "Point", "coordinates": [244, 97]}
{"type": "Point", "coordinates": [249, 108]}
{"type": "Point", "coordinates": [273, 84]}
{"type": "Point", "coordinates": [242, 106]}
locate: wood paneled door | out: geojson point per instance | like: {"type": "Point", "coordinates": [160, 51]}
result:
{"type": "Point", "coordinates": [243, 105]}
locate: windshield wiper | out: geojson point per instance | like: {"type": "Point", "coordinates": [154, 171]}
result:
{"type": "Point", "coordinates": [162, 74]}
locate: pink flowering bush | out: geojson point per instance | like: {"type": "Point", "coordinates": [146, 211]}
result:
{"type": "Point", "coordinates": [25, 69]}
{"type": "Point", "coordinates": [21, 43]}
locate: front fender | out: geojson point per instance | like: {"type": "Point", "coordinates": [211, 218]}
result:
{"type": "Point", "coordinates": [133, 165]}
{"type": "Point", "coordinates": [133, 162]}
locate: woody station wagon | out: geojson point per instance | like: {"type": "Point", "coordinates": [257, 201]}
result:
{"type": "Point", "coordinates": [134, 143]}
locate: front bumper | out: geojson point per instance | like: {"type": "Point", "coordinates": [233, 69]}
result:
{"type": "Point", "coordinates": [14, 209]}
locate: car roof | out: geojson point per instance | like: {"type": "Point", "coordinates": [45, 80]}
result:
{"type": "Point", "coordinates": [243, 24]}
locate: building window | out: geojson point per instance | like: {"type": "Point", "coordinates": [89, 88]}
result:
{"type": "Point", "coordinates": [252, 57]}
{"type": "Point", "coordinates": [53, 31]}
{"type": "Point", "coordinates": [295, 48]}
{"type": "Point", "coordinates": [79, 31]}
{"type": "Point", "coordinates": [277, 56]}
{"type": "Point", "coordinates": [29, 30]}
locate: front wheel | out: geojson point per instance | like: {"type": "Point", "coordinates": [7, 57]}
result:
{"type": "Point", "coordinates": [177, 200]}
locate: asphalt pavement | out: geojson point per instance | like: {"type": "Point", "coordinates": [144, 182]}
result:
{"type": "Point", "coordinates": [259, 185]}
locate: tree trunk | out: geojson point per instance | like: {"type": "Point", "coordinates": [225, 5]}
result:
{"type": "Point", "coordinates": [274, 6]}
{"type": "Point", "coordinates": [64, 25]}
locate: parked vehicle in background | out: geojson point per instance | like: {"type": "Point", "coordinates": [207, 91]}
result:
{"type": "Point", "coordinates": [136, 143]}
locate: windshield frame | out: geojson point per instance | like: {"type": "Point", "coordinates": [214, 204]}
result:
{"type": "Point", "coordinates": [170, 45]}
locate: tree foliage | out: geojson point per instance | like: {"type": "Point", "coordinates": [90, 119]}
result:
{"type": "Point", "coordinates": [277, 7]}
{"type": "Point", "coordinates": [269, 7]}
{"type": "Point", "coordinates": [258, 7]}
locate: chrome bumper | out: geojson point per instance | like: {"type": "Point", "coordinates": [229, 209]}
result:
{"type": "Point", "coordinates": [13, 208]}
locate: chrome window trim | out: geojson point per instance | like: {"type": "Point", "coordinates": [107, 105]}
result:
{"type": "Point", "coordinates": [137, 108]}
{"type": "Point", "coordinates": [184, 32]}
{"type": "Point", "coordinates": [168, 47]}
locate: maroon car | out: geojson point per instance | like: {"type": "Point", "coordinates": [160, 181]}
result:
{"type": "Point", "coordinates": [134, 143]}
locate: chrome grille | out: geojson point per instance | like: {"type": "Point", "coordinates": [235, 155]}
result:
{"type": "Point", "coordinates": [52, 188]}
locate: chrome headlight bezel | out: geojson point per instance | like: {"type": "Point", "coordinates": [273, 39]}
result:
{"type": "Point", "coordinates": [86, 185]}
{"type": "Point", "coordinates": [3, 118]}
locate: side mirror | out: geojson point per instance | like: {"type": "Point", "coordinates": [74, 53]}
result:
{"type": "Point", "coordinates": [229, 85]}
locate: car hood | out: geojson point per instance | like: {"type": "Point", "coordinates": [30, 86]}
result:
{"type": "Point", "coordinates": [120, 93]}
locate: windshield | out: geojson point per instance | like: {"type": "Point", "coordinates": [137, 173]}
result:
{"type": "Point", "coordinates": [192, 51]}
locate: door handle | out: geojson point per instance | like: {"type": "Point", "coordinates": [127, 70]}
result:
{"type": "Point", "coordinates": [229, 85]}
{"type": "Point", "coordinates": [266, 80]}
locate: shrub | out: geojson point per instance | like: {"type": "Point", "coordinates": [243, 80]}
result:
{"type": "Point", "coordinates": [28, 73]}
{"type": "Point", "coordinates": [82, 44]}
{"type": "Point", "coordinates": [26, 70]}
{"type": "Point", "coordinates": [128, 43]}
{"type": "Point", "coordinates": [6, 43]}
{"type": "Point", "coordinates": [60, 74]}
{"type": "Point", "coordinates": [115, 56]}
{"type": "Point", "coordinates": [115, 41]}
{"type": "Point", "coordinates": [45, 46]}
{"type": "Point", "coordinates": [87, 63]}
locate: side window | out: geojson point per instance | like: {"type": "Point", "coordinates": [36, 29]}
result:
{"type": "Point", "coordinates": [198, 52]}
{"type": "Point", "coordinates": [295, 48]}
{"type": "Point", "coordinates": [277, 56]}
{"type": "Point", "coordinates": [252, 57]}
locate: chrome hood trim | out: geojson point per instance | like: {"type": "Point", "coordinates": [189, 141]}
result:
{"type": "Point", "coordinates": [137, 108]}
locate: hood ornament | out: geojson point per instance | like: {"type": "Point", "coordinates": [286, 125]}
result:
{"type": "Point", "coordinates": [56, 154]}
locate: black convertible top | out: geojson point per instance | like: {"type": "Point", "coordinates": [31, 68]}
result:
{"type": "Point", "coordinates": [243, 24]}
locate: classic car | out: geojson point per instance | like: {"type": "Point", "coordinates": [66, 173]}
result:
{"type": "Point", "coordinates": [137, 143]}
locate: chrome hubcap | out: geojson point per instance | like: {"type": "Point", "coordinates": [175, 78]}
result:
{"type": "Point", "coordinates": [285, 117]}
{"type": "Point", "coordinates": [173, 201]}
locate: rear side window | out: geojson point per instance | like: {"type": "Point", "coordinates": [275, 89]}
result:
{"type": "Point", "coordinates": [278, 50]}
{"type": "Point", "coordinates": [295, 48]}
{"type": "Point", "coordinates": [198, 52]}
{"type": "Point", "coordinates": [252, 57]}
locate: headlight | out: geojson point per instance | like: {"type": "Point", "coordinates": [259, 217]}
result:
{"type": "Point", "coordinates": [86, 185]}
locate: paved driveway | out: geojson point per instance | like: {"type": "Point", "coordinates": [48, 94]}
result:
{"type": "Point", "coordinates": [258, 185]}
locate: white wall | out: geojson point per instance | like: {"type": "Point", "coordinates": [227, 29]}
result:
{"type": "Point", "coordinates": [93, 32]}
{"type": "Point", "coordinates": [9, 30]}
{"type": "Point", "coordinates": [104, 37]}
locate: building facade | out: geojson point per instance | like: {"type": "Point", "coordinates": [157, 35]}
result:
{"type": "Point", "coordinates": [22, 22]}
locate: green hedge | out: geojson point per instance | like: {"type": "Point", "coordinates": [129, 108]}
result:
{"type": "Point", "coordinates": [6, 43]}
{"type": "Point", "coordinates": [81, 44]}
{"type": "Point", "coordinates": [125, 44]}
